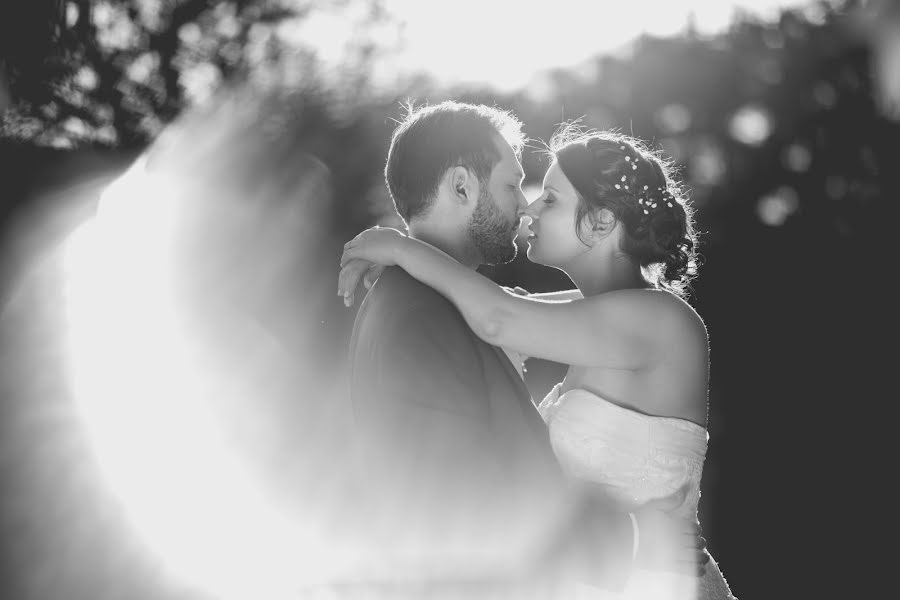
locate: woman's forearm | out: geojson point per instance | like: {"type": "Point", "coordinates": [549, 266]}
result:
{"type": "Point", "coordinates": [574, 294]}
{"type": "Point", "coordinates": [476, 297]}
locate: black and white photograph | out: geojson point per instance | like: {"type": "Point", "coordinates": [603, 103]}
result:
{"type": "Point", "coordinates": [483, 300]}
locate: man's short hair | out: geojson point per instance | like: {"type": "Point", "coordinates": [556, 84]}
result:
{"type": "Point", "coordinates": [432, 139]}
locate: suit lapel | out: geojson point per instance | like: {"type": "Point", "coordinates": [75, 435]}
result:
{"type": "Point", "coordinates": [510, 370]}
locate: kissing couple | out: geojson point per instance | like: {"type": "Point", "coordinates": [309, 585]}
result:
{"type": "Point", "coordinates": [476, 490]}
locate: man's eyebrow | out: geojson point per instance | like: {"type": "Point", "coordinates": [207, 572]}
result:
{"type": "Point", "coordinates": [550, 187]}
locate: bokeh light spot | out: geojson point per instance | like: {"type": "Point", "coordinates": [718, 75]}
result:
{"type": "Point", "coordinates": [836, 187]}
{"type": "Point", "coordinates": [72, 13]}
{"type": "Point", "coordinates": [86, 78]}
{"type": "Point", "coordinates": [707, 165]}
{"type": "Point", "coordinates": [770, 72]}
{"type": "Point", "coordinates": [673, 118]}
{"type": "Point", "coordinates": [200, 81]}
{"type": "Point", "coordinates": [751, 125]}
{"type": "Point", "coordinates": [143, 66]}
{"type": "Point", "coordinates": [190, 34]}
{"type": "Point", "coordinates": [825, 94]}
{"type": "Point", "coordinates": [797, 157]}
{"type": "Point", "coordinates": [775, 208]}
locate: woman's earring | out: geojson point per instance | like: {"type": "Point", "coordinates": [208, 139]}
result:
{"type": "Point", "coordinates": [595, 237]}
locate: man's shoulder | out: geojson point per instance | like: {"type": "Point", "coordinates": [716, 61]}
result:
{"type": "Point", "coordinates": [400, 307]}
{"type": "Point", "coordinates": [397, 291]}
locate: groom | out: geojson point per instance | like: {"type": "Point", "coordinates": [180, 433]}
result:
{"type": "Point", "coordinates": [458, 469]}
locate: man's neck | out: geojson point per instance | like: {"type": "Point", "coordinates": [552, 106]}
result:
{"type": "Point", "coordinates": [449, 242]}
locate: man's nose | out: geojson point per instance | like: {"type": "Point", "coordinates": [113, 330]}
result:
{"type": "Point", "coordinates": [521, 202]}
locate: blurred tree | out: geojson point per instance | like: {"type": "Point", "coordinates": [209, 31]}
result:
{"type": "Point", "coordinates": [30, 52]}
{"type": "Point", "coordinates": [116, 71]}
{"type": "Point", "coordinates": [91, 82]}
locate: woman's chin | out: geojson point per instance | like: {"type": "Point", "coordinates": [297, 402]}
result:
{"type": "Point", "coordinates": [532, 253]}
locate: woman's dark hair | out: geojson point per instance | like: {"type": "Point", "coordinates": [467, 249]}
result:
{"type": "Point", "coordinates": [619, 173]}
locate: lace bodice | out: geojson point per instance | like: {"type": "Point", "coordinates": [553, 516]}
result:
{"type": "Point", "coordinates": [636, 457]}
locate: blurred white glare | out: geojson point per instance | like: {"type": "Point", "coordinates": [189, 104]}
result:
{"type": "Point", "coordinates": [327, 32]}
{"type": "Point", "coordinates": [775, 208]}
{"type": "Point", "coordinates": [505, 43]}
{"type": "Point", "coordinates": [337, 32]}
{"type": "Point", "coordinates": [541, 88]}
{"type": "Point", "coordinates": [751, 125]}
{"type": "Point", "coordinates": [146, 396]}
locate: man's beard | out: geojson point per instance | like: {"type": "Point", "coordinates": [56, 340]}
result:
{"type": "Point", "coordinates": [490, 233]}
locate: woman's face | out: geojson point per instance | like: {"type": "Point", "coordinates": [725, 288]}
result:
{"type": "Point", "coordinates": [554, 241]}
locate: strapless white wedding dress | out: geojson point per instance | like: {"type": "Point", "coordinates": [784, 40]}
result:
{"type": "Point", "coordinates": [636, 458]}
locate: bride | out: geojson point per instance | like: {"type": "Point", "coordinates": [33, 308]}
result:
{"type": "Point", "coordinates": [631, 412]}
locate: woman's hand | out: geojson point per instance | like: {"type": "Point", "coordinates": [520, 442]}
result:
{"type": "Point", "coordinates": [351, 274]}
{"type": "Point", "coordinates": [378, 246]}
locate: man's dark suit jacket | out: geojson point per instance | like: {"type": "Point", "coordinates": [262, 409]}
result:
{"type": "Point", "coordinates": [458, 462]}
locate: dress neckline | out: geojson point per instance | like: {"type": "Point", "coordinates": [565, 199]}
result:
{"type": "Point", "coordinates": [555, 393]}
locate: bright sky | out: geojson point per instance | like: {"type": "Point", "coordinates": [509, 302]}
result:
{"type": "Point", "coordinates": [505, 42]}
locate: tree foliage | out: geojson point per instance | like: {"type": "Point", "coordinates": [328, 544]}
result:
{"type": "Point", "coordinates": [114, 72]}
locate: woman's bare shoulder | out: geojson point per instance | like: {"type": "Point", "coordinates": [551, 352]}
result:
{"type": "Point", "coordinates": [658, 306]}
{"type": "Point", "coordinates": [660, 316]}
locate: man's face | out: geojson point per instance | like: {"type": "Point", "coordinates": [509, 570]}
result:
{"type": "Point", "coordinates": [494, 223]}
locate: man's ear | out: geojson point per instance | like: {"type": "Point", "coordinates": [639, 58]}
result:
{"type": "Point", "coordinates": [463, 185]}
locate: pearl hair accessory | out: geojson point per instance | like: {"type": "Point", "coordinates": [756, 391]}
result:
{"type": "Point", "coordinates": [648, 201]}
